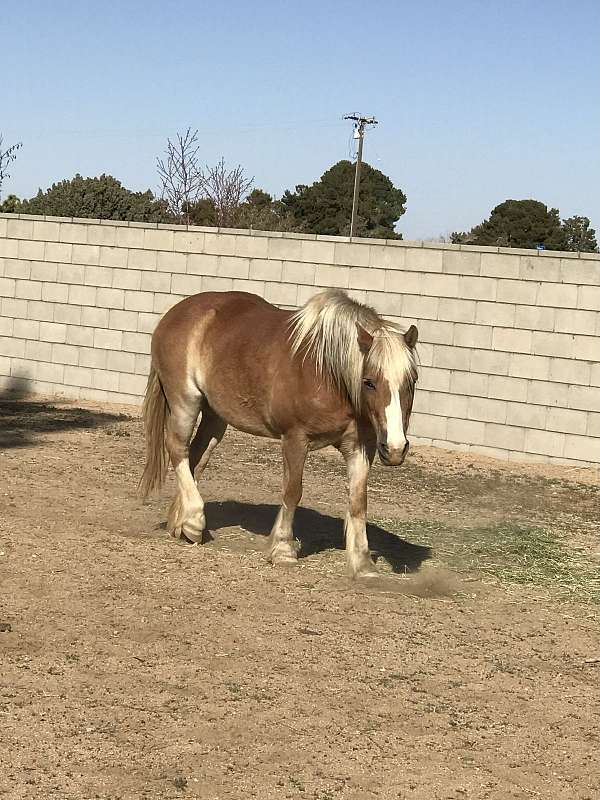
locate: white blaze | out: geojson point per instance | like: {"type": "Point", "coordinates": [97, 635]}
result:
{"type": "Point", "coordinates": [396, 438]}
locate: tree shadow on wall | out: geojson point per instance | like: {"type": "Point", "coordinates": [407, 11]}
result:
{"type": "Point", "coordinates": [316, 532]}
{"type": "Point", "coordinates": [22, 420]}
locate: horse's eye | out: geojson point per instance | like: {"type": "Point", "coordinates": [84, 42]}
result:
{"type": "Point", "coordinates": [369, 383]}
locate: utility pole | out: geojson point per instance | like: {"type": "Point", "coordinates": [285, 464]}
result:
{"type": "Point", "coordinates": [359, 133]}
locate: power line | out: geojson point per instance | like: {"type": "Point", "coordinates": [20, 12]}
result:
{"type": "Point", "coordinates": [360, 124]}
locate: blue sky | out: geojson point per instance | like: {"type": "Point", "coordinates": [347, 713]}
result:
{"type": "Point", "coordinates": [477, 101]}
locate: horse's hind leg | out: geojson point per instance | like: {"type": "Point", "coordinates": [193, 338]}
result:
{"type": "Point", "coordinates": [210, 432]}
{"type": "Point", "coordinates": [186, 515]}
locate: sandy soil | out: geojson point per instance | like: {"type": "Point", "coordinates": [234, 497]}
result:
{"type": "Point", "coordinates": [135, 667]}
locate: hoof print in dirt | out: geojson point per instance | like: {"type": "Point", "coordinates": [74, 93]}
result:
{"type": "Point", "coordinates": [5, 627]}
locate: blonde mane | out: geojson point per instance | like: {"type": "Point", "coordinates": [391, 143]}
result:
{"type": "Point", "coordinates": [325, 329]}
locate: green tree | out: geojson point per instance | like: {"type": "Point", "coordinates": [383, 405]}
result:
{"type": "Point", "coordinates": [97, 198]}
{"type": "Point", "coordinates": [326, 206]}
{"type": "Point", "coordinates": [12, 205]}
{"type": "Point", "coordinates": [579, 236]}
{"type": "Point", "coordinates": [517, 223]}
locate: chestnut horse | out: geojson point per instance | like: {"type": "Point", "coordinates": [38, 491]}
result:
{"type": "Point", "coordinates": [332, 373]}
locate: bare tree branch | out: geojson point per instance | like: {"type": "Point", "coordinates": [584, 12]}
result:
{"type": "Point", "coordinates": [7, 157]}
{"type": "Point", "coordinates": [226, 190]}
{"type": "Point", "coordinates": [181, 175]}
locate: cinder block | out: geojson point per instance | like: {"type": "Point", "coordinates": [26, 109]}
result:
{"type": "Point", "coordinates": [82, 295]}
{"type": "Point", "coordinates": [451, 357]}
{"type": "Point", "coordinates": [232, 267]}
{"type": "Point", "coordinates": [188, 285]}
{"type": "Point", "coordinates": [105, 379]}
{"type": "Point", "coordinates": [518, 291]}
{"type": "Point", "coordinates": [537, 318]}
{"type": "Point", "coordinates": [559, 295]}
{"type": "Point", "coordinates": [43, 271]}
{"type": "Point", "coordinates": [572, 321]}
{"type": "Point", "coordinates": [123, 320]}
{"type": "Point", "coordinates": [401, 281]}
{"type": "Point", "coordinates": [23, 328]}
{"type": "Point", "coordinates": [582, 448]}
{"type": "Point", "coordinates": [105, 235]}
{"type": "Point", "coordinates": [386, 303]}
{"type": "Point", "coordinates": [98, 276]}
{"type": "Point", "coordinates": [13, 268]}
{"type": "Point", "coordinates": [9, 346]}
{"type": "Point", "coordinates": [139, 301]}
{"type": "Point", "coordinates": [491, 362]}
{"type": "Point", "coordinates": [465, 431]}
{"type": "Point", "coordinates": [132, 384]}
{"type": "Point", "coordinates": [7, 287]}
{"type": "Point", "coordinates": [346, 254]}
{"type": "Point", "coordinates": [469, 383]}
{"type": "Point", "coordinates": [128, 278]}
{"type": "Point", "coordinates": [593, 424]}
{"type": "Point", "coordinates": [220, 244]}
{"type": "Point", "coordinates": [507, 388]}
{"type": "Point", "coordinates": [16, 308]}
{"type": "Point", "coordinates": [201, 264]}
{"type": "Point", "coordinates": [53, 373]}
{"type": "Point", "coordinates": [528, 366]}
{"type": "Point", "coordinates": [586, 348]}
{"type": "Point", "coordinates": [19, 229]}
{"type": "Point", "coordinates": [31, 251]}
{"type": "Point", "coordinates": [64, 312]}
{"type": "Point", "coordinates": [70, 273]}
{"type": "Point", "coordinates": [567, 421]}
{"type": "Point", "coordinates": [487, 410]}
{"type": "Point", "coordinates": [108, 340]}
{"type": "Point", "coordinates": [448, 405]}
{"type": "Point", "coordinates": [130, 237]}
{"type": "Point", "coordinates": [73, 232]}
{"type": "Point", "coordinates": [85, 254]}
{"type": "Point", "coordinates": [552, 344]}
{"type": "Point", "coordinates": [78, 376]}
{"type": "Point", "coordinates": [285, 249]}
{"type": "Point", "coordinates": [147, 322]}
{"type": "Point", "coordinates": [436, 285]}
{"type": "Point", "coordinates": [367, 278]}
{"type": "Point", "coordinates": [290, 272]}
{"type": "Point", "coordinates": [461, 262]}
{"type": "Point", "coordinates": [435, 332]}
{"type": "Point", "coordinates": [473, 336]}
{"type": "Point", "coordinates": [434, 379]}
{"type": "Point", "coordinates": [188, 242]}
{"type": "Point", "coordinates": [161, 282]}
{"type": "Point", "coordinates": [527, 415]}
{"type": "Point", "coordinates": [306, 292]}
{"type": "Point", "coordinates": [38, 351]}
{"type": "Point", "coordinates": [567, 370]}
{"type": "Point", "coordinates": [55, 292]}
{"type": "Point", "coordinates": [65, 354]}
{"type": "Point", "coordinates": [95, 317]}
{"type": "Point", "coordinates": [155, 239]}
{"type": "Point", "coordinates": [28, 290]}
{"type": "Point", "coordinates": [110, 298]}
{"type": "Point", "coordinates": [252, 246]}
{"type": "Point", "coordinates": [505, 436]}
{"type": "Point", "coordinates": [135, 343]}
{"type": "Point", "coordinates": [387, 257]}
{"type": "Point", "coordinates": [53, 332]}
{"type": "Point", "coordinates": [92, 357]}
{"type": "Point", "coordinates": [502, 314]}
{"type": "Point", "coordinates": [477, 288]}
{"type": "Point", "coordinates": [7, 326]}
{"type": "Point", "coordinates": [39, 310]}
{"type": "Point", "coordinates": [457, 310]}
{"type": "Point", "coordinates": [417, 307]}
{"type": "Point", "coordinates": [584, 398]}
{"type": "Point", "coordinates": [588, 297]}
{"type": "Point", "coordinates": [500, 265]}
{"type": "Point", "coordinates": [163, 302]}
{"type": "Point", "coordinates": [534, 268]}
{"type": "Point", "coordinates": [581, 270]}
{"type": "Point", "coordinates": [46, 231]}
{"type": "Point", "coordinates": [317, 252]}
{"type": "Point", "coordinates": [9, 248]}
{"type": "Point", "coordinates": [545, 443]}
{"type": "Point", "coordinates": [79, 336]}
{"type": "Point", "coordinates": [428, 426]}
{"type": "Point", "coordinates": [113, 257]}
{"type": "Point", "coordinates": [142, 259]}
{"type": "Point", "coordinates": [281, 294]}
{"type": "Point", "coordinates": [512, 340]}
{"type": "Point", "coordinates": [326, 275]}
{"type": "Point", "coordinates": [545, 393]}
{"type": "Point", "coordinates": [423, 259]}
{"type": "Point", "coordinates": [254, 287]}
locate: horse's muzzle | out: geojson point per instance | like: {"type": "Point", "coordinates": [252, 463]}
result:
{"type": "Point", "coordinates": [392, 458]}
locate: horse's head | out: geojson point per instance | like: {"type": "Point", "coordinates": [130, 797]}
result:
{"type": "Point", "coordinates": [388, 385]}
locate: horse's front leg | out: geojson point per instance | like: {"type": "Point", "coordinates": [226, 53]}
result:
{"type": "Point", "coordinates": [281, 546]}
{"type": "Point", "coordinates": [358, 557]}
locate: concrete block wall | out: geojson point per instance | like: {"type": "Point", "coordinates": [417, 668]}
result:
{"type": "Point", "coordinates": [510, 340]}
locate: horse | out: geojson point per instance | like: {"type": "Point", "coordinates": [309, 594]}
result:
{"type": "Point", "coordinates": [331, 373]}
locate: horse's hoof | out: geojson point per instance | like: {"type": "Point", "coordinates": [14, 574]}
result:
{"type": "Point", "coordinates": [285, 560]}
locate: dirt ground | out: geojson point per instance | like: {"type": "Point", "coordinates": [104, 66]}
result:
{"type": "Point", "coordinates": [135, 667]}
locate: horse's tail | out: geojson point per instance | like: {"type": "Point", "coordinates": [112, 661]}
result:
{"type": "Point", "coordinates": [155, 413]}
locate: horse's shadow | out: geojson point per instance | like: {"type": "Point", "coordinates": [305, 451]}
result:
{"type": "Point", "coordinates": [316, 532]}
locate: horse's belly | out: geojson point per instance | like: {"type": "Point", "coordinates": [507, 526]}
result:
{"type": "Point", "coordinates": [243, 413]}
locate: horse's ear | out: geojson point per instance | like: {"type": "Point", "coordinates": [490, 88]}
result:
{"type": "Point", "coordinates": [365, 340]}
{"type": "Point", "coordinates": [411, 336]}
